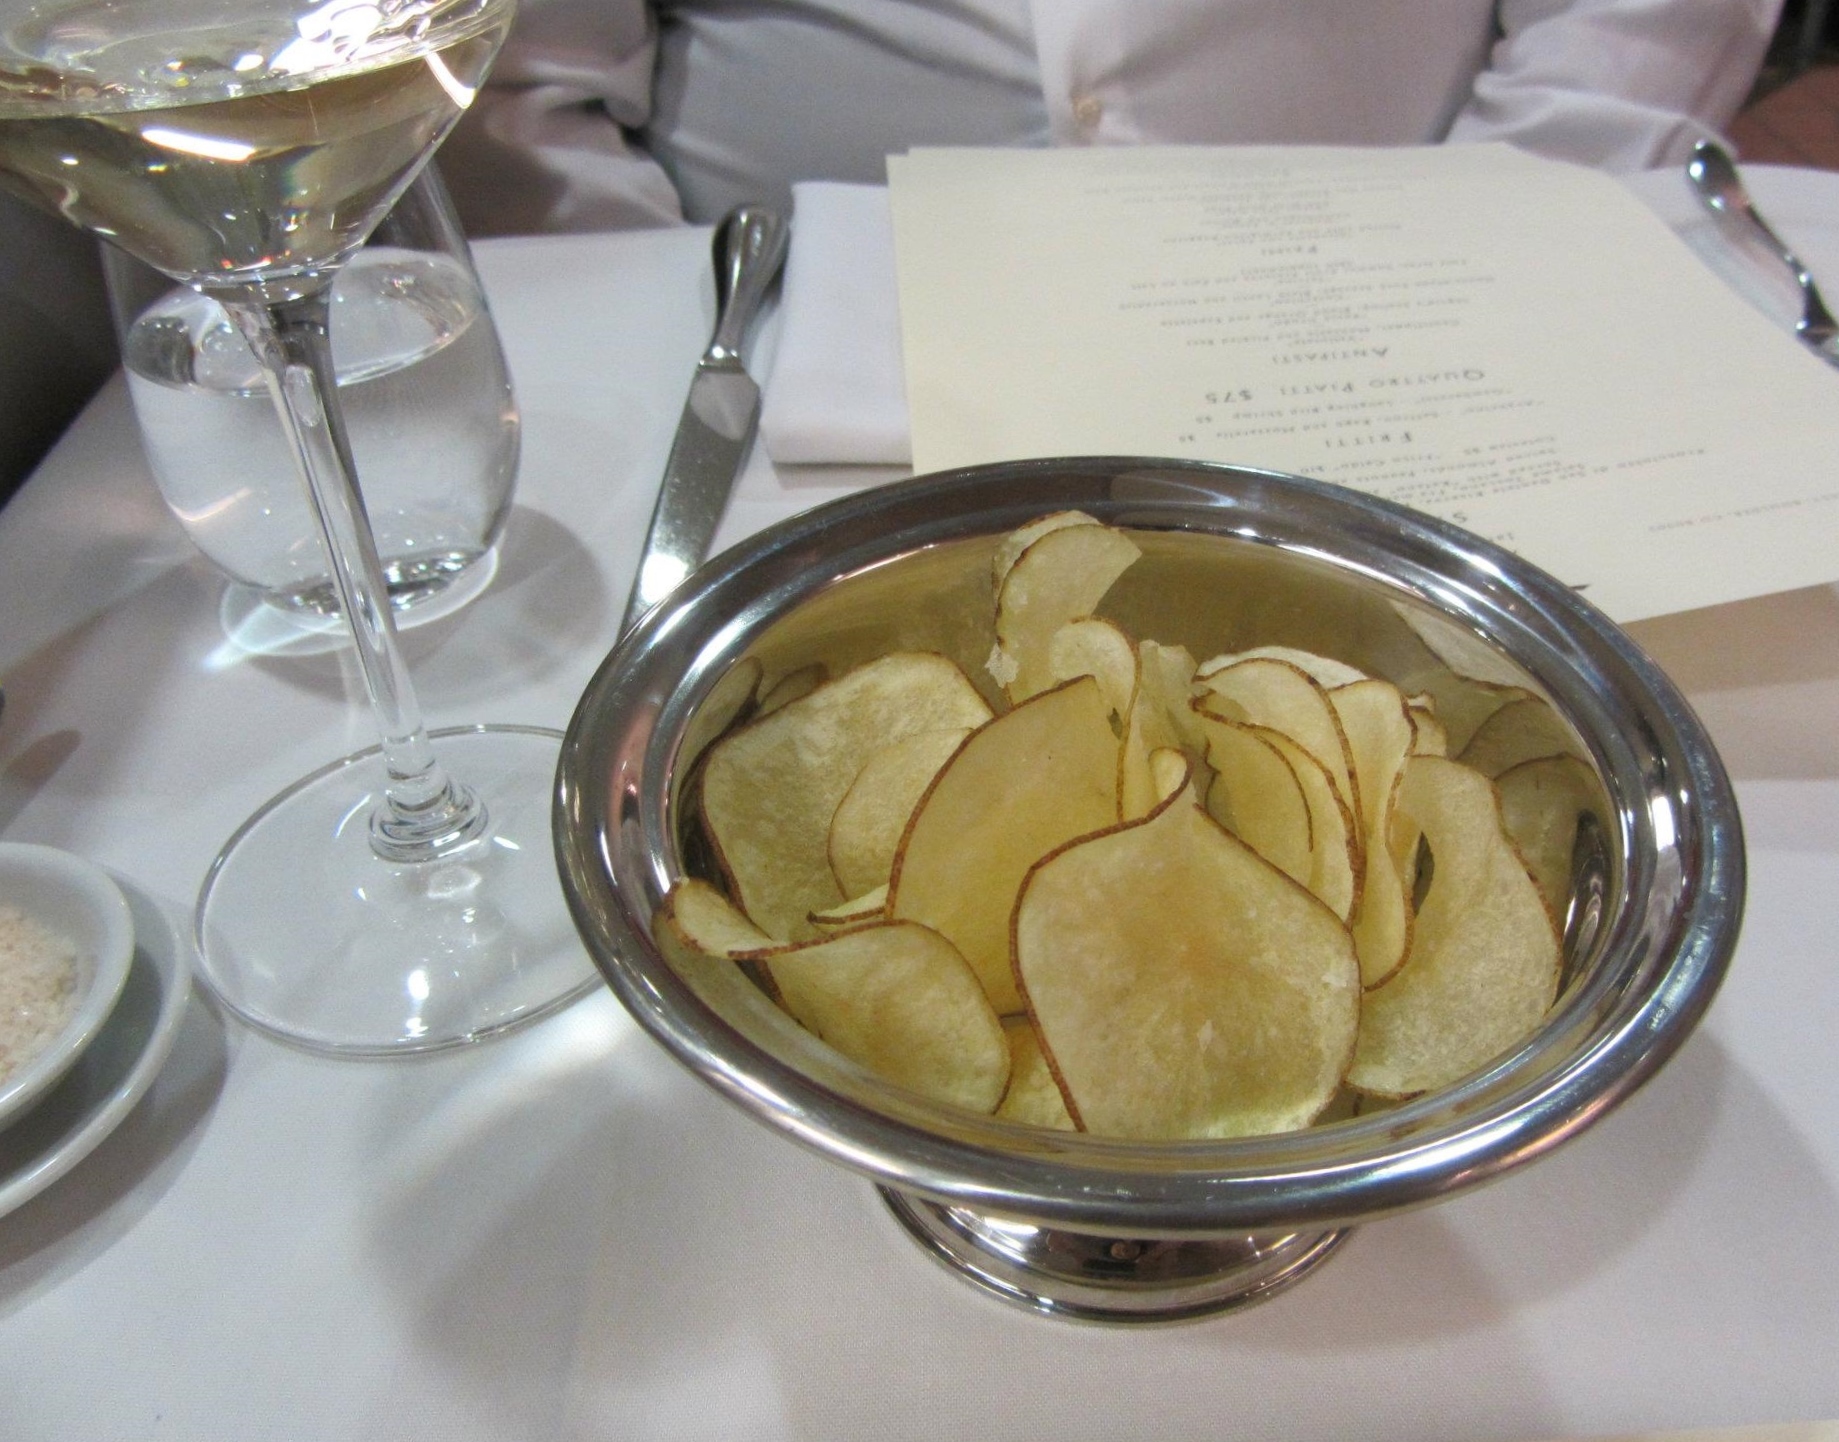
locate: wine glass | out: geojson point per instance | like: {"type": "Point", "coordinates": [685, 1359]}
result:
{"type": "Point", "coordinates": [247, 148]}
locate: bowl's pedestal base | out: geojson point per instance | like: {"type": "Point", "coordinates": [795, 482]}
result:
{"type": "Point", "coordinates": [1110, 1279]}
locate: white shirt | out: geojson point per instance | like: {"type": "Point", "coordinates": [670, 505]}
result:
{"type": "Point", "coordinates": [604, 113]}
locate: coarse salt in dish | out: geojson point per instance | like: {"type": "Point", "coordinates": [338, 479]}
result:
{"type": "Point", "coordinates": [38, 987]}
{"type": "Point", "coordinates": [66, 943]}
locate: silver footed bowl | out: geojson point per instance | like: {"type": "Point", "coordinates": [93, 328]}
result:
{"type": "Point", "coordinates": [1097, 1228]}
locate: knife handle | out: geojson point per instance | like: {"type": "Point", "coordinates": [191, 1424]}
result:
{"type": "Point", "coordinates": [749, 248]}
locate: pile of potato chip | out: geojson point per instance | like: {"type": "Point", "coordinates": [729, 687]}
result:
{"type": "Point", "coordinates": [1139, 896]}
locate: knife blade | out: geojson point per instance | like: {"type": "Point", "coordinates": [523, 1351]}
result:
{"type": "Point", "coordinates": [720, 414]}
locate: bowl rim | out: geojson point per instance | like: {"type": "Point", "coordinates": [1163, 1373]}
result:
{"type": "Point", "coordinates": [102, 902]}
{"type": "Point", "coordinates": [1611, 1031]}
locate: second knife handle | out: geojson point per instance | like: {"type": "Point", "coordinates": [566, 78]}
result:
{"type": "Point", "coordinates": [750, 246]}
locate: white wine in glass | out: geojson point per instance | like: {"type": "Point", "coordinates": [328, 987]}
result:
{"type": "Point", "coordinates": [247, 148]}
{"type": "Point", "coordinates": [261, 155]}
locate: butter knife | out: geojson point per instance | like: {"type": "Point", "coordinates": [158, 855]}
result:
{"type": "Point", "coordinates": [1713, 175]}
{"type": "Point", "coordinates": [720, 415]}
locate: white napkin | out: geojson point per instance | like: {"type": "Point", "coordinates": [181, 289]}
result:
{"type": "Point", "coordinates": [836, 391]}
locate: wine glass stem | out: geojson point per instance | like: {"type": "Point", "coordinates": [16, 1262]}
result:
{"type": "Point", "coordinates": [424, 814]}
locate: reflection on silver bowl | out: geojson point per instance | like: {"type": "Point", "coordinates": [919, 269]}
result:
{"type": "Point", "coordinates": [1099, 1228]}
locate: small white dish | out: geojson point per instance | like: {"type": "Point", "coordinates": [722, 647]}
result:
{"type": "Point", "coordinates": [78, 901]}
{"type": "Point", "coordinates": [119, 1068]}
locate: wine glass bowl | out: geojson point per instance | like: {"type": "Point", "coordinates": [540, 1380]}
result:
{"type": "Point", "coordinates": [253, 147]}
{"type": "Point", "coordinates": [1099, 1228]}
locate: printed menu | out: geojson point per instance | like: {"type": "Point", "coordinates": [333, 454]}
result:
{"type": "Point", "coordinates": [1513, 344]}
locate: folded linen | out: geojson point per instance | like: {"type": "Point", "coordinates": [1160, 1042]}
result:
{"type": "Point", "coordinates": [835, 393]}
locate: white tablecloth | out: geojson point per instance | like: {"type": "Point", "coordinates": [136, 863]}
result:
{"type": "Point", "coordinates": [563, 1235]}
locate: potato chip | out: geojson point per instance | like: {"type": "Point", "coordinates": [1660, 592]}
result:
{"type": "Point", "coordinates": [1460, 648]}
{"type": "Point", "coordinates": [1428, 735]}
{"type": "Point", "coordinates": [1522, 730]}
{"type": "Point", "coordinates": [1385, 918]}
{"type": "Point", "coordinates": [1161, 723]}
{"type": "Point", "coordinates": [869, 820]}
{"type": "Point", "coordinates": [1033, 1096]}
{"type": "Point", "coordinates": [731, 699]}
{"type": "Point", "coordinates": [770, 789]}
{"type": "Point", "coordinates": [1165, 689]}
{"type": "Point", "coordinates": [1325, 671]}
{"type": "Point", "coordinates": [1169, 771]}
{"type": "Point", "coordinates": [722, 981]}
{"type": "Point", "coordinates": [1096, 648]}
{"type": "Point", "coordinates": [1376, 724]}
{"type": "Point", "coordinates": [1182, 986]}
{"type": "Point", "coordinates": [696, 921]}
{"type": "Point", "coordinates": [857, 911]}
{"type": "Point", "coordinates": [1380, 734]}
{"type": "Point", "coordinates": [712, 923]}
{"type": "Point", "coordinates": [1542, 803]}
{"type": "Point", "coordinates": [1484, 959]}
{"type": "Point", "coordinates": [1033, 778]}
{"type": "Point", "coordinates": [1334, 870]}
{"type": "Point", "coordinates": [1468, 679]}
{"type": "Point", "coordinates": [1428, 738]}
{"type": "Point", "coordinates": [792, 686]}
{"type": "Point", "coordinates": [1283, 697]}
{"type": "Point", "coordinates": [900, 1000]}
{"type": "Point", "coordinates": [1153, 718]}
{"type": "Point", "coordinates": [1463, 706]}
{"type": "Point", "coordinates": [1022, 537]}
{"type": "Point", "coordinates": [1060, 577]}
{"type": "Point", "coordinates": [1255, 794]}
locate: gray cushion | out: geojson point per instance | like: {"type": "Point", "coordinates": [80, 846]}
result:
{"type": "Point", "coordinates": [56, 342]}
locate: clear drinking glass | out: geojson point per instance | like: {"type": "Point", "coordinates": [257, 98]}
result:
{"type": "Point", "coordinates": [246, 148]}
{"type": "Point", "coordinates": [427, 403]}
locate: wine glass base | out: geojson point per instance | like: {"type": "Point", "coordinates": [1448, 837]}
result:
{"type": "Point", "coordinates": [307, 935]}
{"type": "Point", "coordinates": [1081, 1277]}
